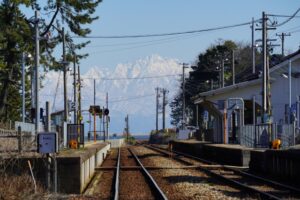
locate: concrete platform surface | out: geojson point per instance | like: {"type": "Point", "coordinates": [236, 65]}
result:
{"type": "Point", "coordinates": [228, 154]}
{"type": "Point", "coordinates": [89, 149]}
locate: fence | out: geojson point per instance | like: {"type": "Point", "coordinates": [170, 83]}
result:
{"type": "Point", "coordinates": [259, 135]}
{"type": "Point", "coordinates": [17, 141]}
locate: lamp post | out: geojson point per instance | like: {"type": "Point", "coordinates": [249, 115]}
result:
{"type": "Point", "coordinates": [289, 77]}
{"type": "Point", "coordinates": [24, 55]}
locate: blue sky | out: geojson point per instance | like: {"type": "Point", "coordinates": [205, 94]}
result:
{"type": "Point", "coordinates": [131, 17]}
{"type": "Point", "coordinates": [143, 17]}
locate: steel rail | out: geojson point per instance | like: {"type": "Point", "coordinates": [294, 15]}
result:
{"type": "Point", "coordinates": [183, 154]}
{"type": "Point", "coordinates": [267, 181]}
{"type": "Point", "coordinates": [117, 180]}
{"type": "Point", "coordinates": [160, 194]}
{"type": "Point", "coordinates": [157, 167]}
{"type": "Point", "coordinates": [264, 195]}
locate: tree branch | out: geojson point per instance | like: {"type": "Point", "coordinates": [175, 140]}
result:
{"type": "Point", "coordinates": [51, 22]}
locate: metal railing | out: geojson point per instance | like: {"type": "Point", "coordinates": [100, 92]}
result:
{"type": "Point", "coordinates": [260, 135]}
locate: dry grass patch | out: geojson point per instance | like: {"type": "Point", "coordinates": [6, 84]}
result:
{"type": "Point", "coordinates": [18, 187]}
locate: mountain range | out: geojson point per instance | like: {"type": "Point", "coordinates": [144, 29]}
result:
{"type": "Point", "coordinates": [130, 88]}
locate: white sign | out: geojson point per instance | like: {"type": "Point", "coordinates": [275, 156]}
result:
{"type": "Point", "coordinates": [47, 142]}
{"type": "Point", "coordinates": [205, 116]}
{"type": "Point", "coordinates": [183, 134]}
{"type": "Point", "coordinates": [235, 103]}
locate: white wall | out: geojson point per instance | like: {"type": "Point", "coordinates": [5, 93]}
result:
{"type": "Point", "coordinates": [280, 91]}
{"type": "Point", "coordinates": [87, 167]}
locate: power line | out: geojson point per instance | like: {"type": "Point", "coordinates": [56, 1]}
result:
{"type": "Point", "coordinates": [132, 98]}
{"type": "Point", "coordinates": [271, 15]}
{"type": "Point", "coordinates": [157, 42]}
{"type": "Point", "coordinates": [131, 78]}
{"type": "Point", "coordinates": [287, 20]}
{"type": "Point", "coordinates": [165, 34]}
{"type": "Point", "coordinates": [124, 99]}
{"type": "Point", "coordinates": [140, 42]}
{"type": "Point", "coordinates": [290, 30]}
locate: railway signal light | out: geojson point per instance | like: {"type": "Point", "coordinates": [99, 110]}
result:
{"type": "Point", "coordinates": [106, 111]}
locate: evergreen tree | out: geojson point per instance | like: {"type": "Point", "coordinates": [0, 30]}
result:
{"type": "Point", "coordinates": [205, 75]}
{"type": "Point", "coordinates": [16, 37]}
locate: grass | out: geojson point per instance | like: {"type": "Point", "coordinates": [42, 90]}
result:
{"type": "Point", "coordinates": [18, 187]}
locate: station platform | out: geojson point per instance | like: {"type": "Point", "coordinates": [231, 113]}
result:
{"type": "Point", "coordinates": [227, 154]}
{"type": "Point", "coordinates": [277, 164]}
{"type": "Point", "coordinates": [75, 167]}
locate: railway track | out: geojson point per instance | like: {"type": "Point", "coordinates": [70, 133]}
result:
{"type": "Point", "coordinates": [129, 179]}
{"type": "Point", "coordinates": [103, 184]}
{"type": "Point", "coordinates": [266, 189]}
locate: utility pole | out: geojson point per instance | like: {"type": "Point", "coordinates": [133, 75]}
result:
{"type": "Point", "coordinates": [74, 86]}
{"type": "Point", "coordinates": [183, 95]}
{"type": "Point", "coordinates": [282, 36]}
{"type": "Point", "coordinates": [164, 91]}
{"type": "Point", "coordinates": [253, 47]}
{"type": "Point", "coordinates": [106, 116]}
{"type": "Point", "coordinates": [32, 91]}
{"type": "Point", "coordinates": [79, 96]}
{"type": "Point", "coordinates": [157, 102]}
{"type": "Point", "coordinates": [23, 87]}
{"type": "Point", "coordinates": [94, 110]}
{"type": "Point", "coordinates": [103, 124]}
{"type": "Point", "coordinates": [266, 86]}
{"type": "Point", "coordinates": [264, 54]}
{"type": "Point", "coordinates": [37, 64]}
{"type": "Point", "coordinates": [127, 127]}
{"type": "Point", "coordinates": [94, 92]}
{"type": "Point", "coordinates": [66, 113]}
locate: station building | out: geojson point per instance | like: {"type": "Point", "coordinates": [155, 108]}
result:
{"type": "Point", "coordinates": [234, 111]}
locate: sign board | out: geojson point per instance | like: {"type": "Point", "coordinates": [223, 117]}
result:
{"type": "Point", "coordinates": [205, 116]}
{"type": "Point", "coordinates": [47, 142]}
{"type": "Point", "coordinates": [235, 103]}
{"type": "Point", "coordinates": [183, 134]}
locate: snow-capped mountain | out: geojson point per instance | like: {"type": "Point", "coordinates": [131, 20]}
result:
{"type": "Point", "coordinates": [130, 88]}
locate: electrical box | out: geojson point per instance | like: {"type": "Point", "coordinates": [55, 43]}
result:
{"type": "Point", "coordinates": [47, 142]}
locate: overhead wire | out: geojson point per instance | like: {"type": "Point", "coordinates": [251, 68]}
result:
{"type": "Point", "coordinates": [168, 40]}
{"type": "Point", "coordinates": [130, 78]}
{"type": "Point", "coordinates": [165, 34]}
{"type": "Point", "coordinates": [140, 42]}
{"type": "Point", "coordinates": [287, 20]}
{"type": "Point", "coordinates": [124, 99]}
{"type": "Point", "coordinates": [131, 98]}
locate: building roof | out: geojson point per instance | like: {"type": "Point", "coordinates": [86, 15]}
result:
{"type": "Point", "coordinates": [251, 79]}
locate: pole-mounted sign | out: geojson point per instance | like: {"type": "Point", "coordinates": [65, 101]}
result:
{"type": "Point", "coordinates": [47, 142]}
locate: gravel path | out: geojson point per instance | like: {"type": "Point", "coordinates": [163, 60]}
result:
{"type": "Point", "coordinates": [184, 183]}
{"type": "Point", "coordinates": [101, 185]}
